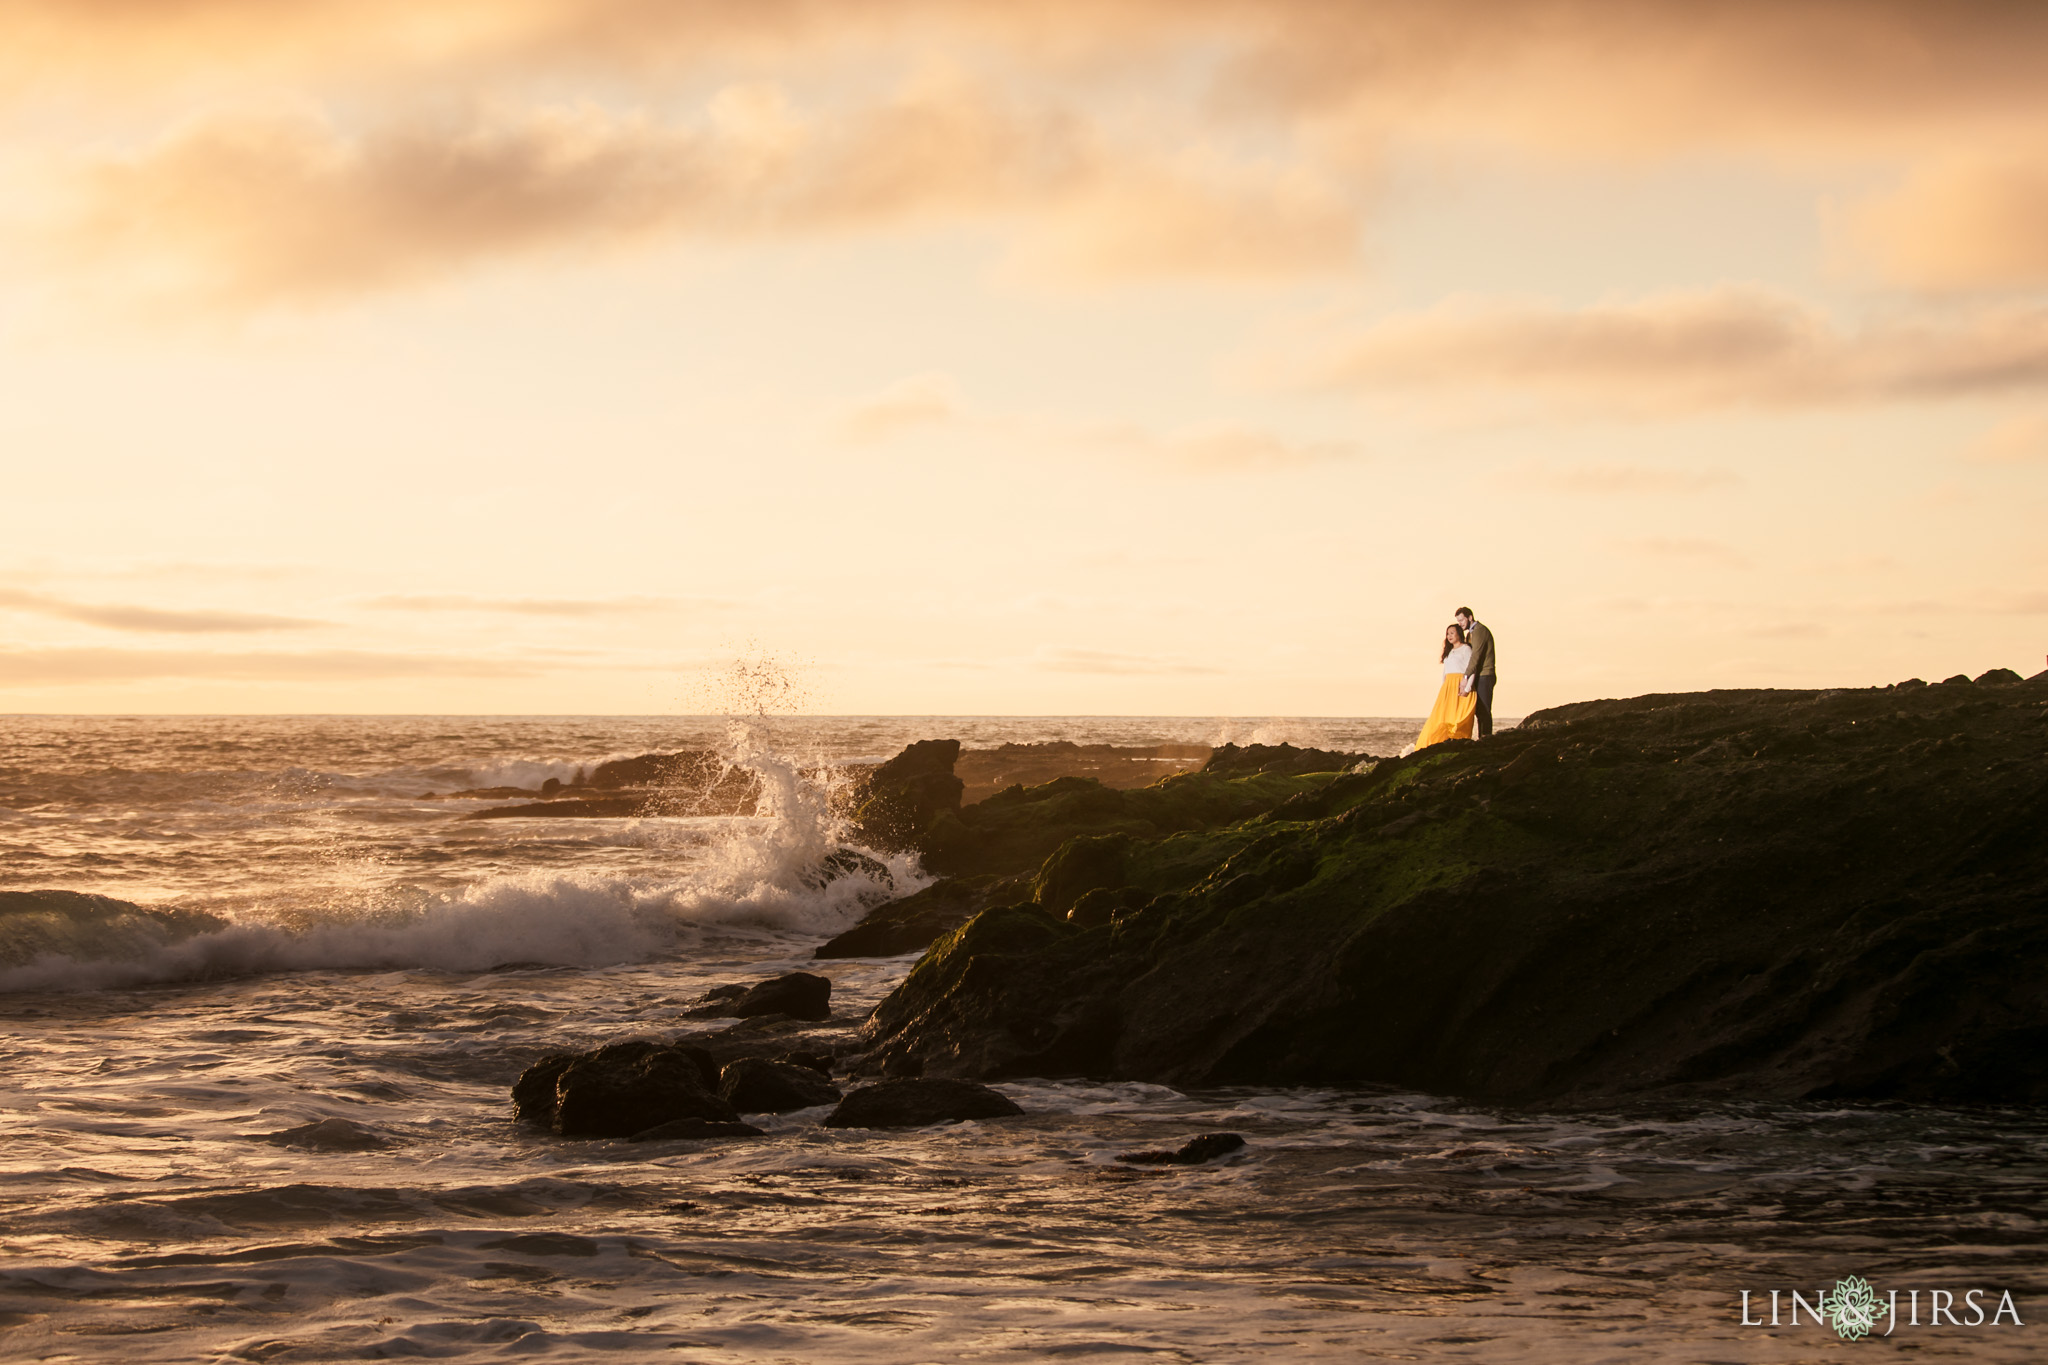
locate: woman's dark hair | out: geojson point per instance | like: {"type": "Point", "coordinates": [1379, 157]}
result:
{"type": "Point", "coordinates": [1449, 631]}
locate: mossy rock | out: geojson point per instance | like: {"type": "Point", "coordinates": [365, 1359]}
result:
{"type": "Point", "coordinates": [1839, 893]}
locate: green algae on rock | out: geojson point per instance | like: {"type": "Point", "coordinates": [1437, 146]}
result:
{"type": "Point", "coordinates": [989, 853]}
{"type": "Point", "coordinates": [1785, 894]}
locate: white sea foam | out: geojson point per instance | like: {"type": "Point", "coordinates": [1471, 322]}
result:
{"type": "Point", "coordinates": [760, 873]}
{"type": "Point", "coordinates": [531, 772]}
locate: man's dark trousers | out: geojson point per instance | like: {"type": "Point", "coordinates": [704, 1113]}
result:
{"type": "Point", "coordinates": [1482, 688]}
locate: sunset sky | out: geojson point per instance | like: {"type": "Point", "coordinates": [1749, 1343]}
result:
{"type": "Point", "coordinates": [1052, 357]}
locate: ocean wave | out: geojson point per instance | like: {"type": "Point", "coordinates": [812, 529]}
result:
{"type": "Point", "coordinates": [770, 874]}
{"type": "Point", "coordinates": [526, 772]}
{"type": "Point", "coordinates": [544, 920]}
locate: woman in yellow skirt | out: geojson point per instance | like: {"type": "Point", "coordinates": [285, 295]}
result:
{"type": "Point", "coordinates": [1451, 717]}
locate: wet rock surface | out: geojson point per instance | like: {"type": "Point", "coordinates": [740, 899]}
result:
{"type": "Point", "coordinates": [758, 1085]}
{"type": "Point", "coordinates": [687, 782]}
{"type": "Point", "coordinates": [896, 801]}
{"type": "Point", "coordinates": [919, 1103]}
{"type": "Point", "coordinates": [620, 1089]}
{"type": "Point", "coordinates": [913, 922]}
{"type": "Point", "coordinates": [988, 771]}
{"type": "Point", "coordinates": [1194, 1152]}
{"type": "Point", "coordinates": [1279, 758]}
{"type": "Point", "coordinates": [993, 854]}
{"type": "Point", "coordinates": [797, 995]}
{"type": "Point", "coordinates": [1774, 893]}
{"type": "Point", "coordinates": [800, 995]}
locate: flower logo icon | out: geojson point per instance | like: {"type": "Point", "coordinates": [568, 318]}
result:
{"type": "Point", "coordinates": [1852, 1307]}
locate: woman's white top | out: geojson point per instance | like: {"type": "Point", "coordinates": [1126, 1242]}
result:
{"type": "Point", "coordinates": [1455, 661]}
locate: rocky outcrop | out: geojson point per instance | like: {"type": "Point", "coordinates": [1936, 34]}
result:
{"type": "Point", "coordinates": [1196, 1151]}
{"type": "Point", "coordinates": [994, 853]}
{"type": "Point", "coordinates": [918, 1103]}
{"type": "Point", "coordinates": [686, 782]}
{"type": "Point", "coordinates": [1786, 894]}
{"type": "Point", "coordinates": [897, 801]}
{"type": "Point", "coordinates": [988, 771]}
{"type": "Point", "coordinates": [757, 1085]}
{"type": "Point", "coordinates": [800, 995]}
{"type": "Point", "coordinates": [911, 924]}
{"type": "Point", "coordinates": [621, 1089]}
{"type": "Point", "coordinates": [1279, 758]}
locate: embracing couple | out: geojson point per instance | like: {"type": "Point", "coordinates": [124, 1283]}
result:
{"type": "Point", "coordinates": [1465, 696]}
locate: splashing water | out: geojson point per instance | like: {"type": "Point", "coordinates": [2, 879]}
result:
{"type": "Point", "coordinates": [392, 883]}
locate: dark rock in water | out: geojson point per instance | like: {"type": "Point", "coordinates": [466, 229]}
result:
{"type": "Point", "coordinates": [1772, 893]}
{"type": "Point", "coordinates": [1958, 678]}
{"type": "Point", "coordinates": [329, 1135]}
{"type": "Point", "coordinates": [776, 1035]}
{"type": "Point", "coordinates": [717, 1002]}
{"type": "Point", "coordinates": [619, 1090]}
{"type": "Point", "coordinates": [909, 924]}
{"type": "Point", "coordinates": [902, 797]}
{"type": "Point", "coordinates": [820, 1062]}
{"type": "Point", "coordinates": [1998, 677]}
{"type": "Point", "coordinates": [1193, 1152]}
{"type": "Point", "coordinates": [690, 782]}
{"type": "Point", "coordinates": [677, 1129]}
{"type": "Point", "coordinates": [708, 1067]}
{"type": "Point", "coordinates": [1278, 758]}
{"type": "Point", "coordinates": [646, 770]}
{"type": "Point", "coordinates": [919, 1104]}
{"type": "Point", "coordinates": [755, 1085]}
{"type": "Point", "coordinates": [800, 995]}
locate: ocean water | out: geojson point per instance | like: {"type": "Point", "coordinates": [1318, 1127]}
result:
{"type": "Point", "coordinates": [328, 943]}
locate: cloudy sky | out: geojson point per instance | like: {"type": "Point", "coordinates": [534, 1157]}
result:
{"type": "Point", "coordinates": [1108, 357]}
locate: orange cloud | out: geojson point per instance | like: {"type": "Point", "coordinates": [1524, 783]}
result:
{"type": "Point", "coordinates": [1679, 352]}
{"type": "Point", "coordinates": [1129, 138]}
{"type": "Point", "coordinates": [1854, 60]}
{"type": "Point", "coordinates": [1962, 225]}
{"type": "Point", "coordinates": [1613, 70]}
{"type": "Point", "coordinates": [288, 206]}
{"type": "Point", "coordinates": [155, 620]}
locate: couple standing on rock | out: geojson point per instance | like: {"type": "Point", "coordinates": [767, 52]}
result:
{"type": "Point", "coordinates": [1465, 696]}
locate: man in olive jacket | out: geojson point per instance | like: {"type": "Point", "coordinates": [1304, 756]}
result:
{"type": "Point", "coordinates": [1480, 670]}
